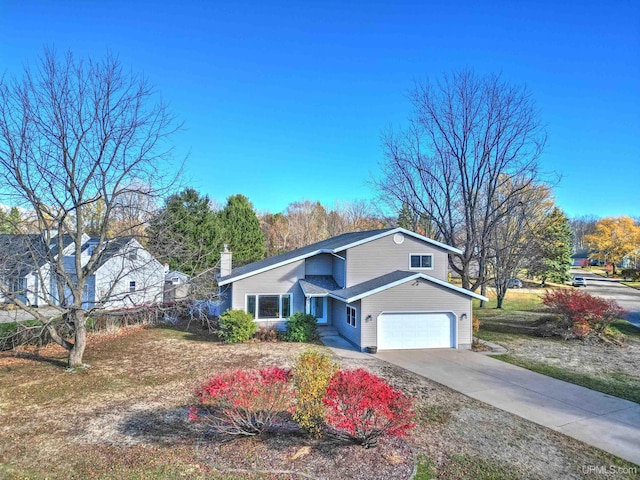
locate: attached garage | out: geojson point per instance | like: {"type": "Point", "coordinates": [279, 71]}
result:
{"type": "Point", "coordinates": [413, 330]}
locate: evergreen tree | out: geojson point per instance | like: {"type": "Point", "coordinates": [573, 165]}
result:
{"type": "Point", "coordinates": [405, 218]}
{"type": "Point", "coordinates": [10, 222]}
{"type": "Point", "coordinates": [552, 260]}
{"type": "Point", "coordinates": [242, 230]}
{"type": "Point", "coordinates": [186, 234]}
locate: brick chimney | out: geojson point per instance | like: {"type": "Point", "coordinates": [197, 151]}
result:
{"type": "Point", "coordinates": [225, 261]}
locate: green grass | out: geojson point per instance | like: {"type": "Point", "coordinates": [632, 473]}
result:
{"type": "Point", "coordinates": [514, 301]}
{"type": "Point", "coordinates": [617, 384]}
{"type": "Point", "coordinates": [635, 285]}
{"type": "Point", "coordinates": [463, 467]}
{"type": "Point", "coordinates": [425, 468]}
{"type": "Point", "coordinates": [434, 414]}
{"type": "Point", "coordinates": [466, 466]}
{"type": "Point", "coordinates": [626, 328]}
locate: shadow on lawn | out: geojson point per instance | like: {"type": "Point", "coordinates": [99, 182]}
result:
{"type": "Point", "coordinates": [193, 332]}
{"type": "Point", "coordinates": [35, 357]}
{"type": "Point", "coordinates": [284, 450]}
{"type": "Point", "coordinates": [164, 425]}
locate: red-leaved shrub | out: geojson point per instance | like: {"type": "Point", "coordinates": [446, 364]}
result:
{"type": "Point", "coordinates": [583, 314]}
{"type": "Point", "coordinates": [364, 407]}
{"type": "Point", "coordinates": [244, 402]}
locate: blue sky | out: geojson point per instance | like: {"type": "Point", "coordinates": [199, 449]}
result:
{"type": "Point", "coordinates": [285, 101]}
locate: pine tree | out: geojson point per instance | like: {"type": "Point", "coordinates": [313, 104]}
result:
{"type": "Point", "coordinates": [186, 234]}
{"type": "Point", "coordinates": [242, 230]}
{"type": "Point", "coordinates": [405, 218]}
{"type": "Point", "coordinates": [553, 253]}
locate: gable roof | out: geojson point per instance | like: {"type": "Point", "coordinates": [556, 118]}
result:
{"type": "Point", "coordinates": [390, 280]}
{"type": "Point", "coordinates": [21, 254]}
{"type": "Point", "coordinates": [333, 246]}
{"type": "Point", "coordinates": [111, 249]}
{"type": "Point", "coordinates": [318, 285]}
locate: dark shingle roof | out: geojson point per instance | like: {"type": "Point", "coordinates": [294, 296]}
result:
{"type": "Point", "coordinates": [21, 254]}
{"type": "Point", "coordinates": [330, 244]}
{"type": "Point", "coordinates": [54, 243]}
{"type": "Point", "coordinates": [112, 249]}
{"type": "Point", "coordinates": [372, 284]}
{"type": "Point", "coordinates": [318, 284]}
{"type": "Point", "coordinates": [365, 288]}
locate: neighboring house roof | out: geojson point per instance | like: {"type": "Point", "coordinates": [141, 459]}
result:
{"type": "Point", "coordinates": [111, 249]}
{"type": "Point", "coordinates": [171, 274]}
{"type": "Point", "coordinates": [20, 254]}
{"type": "Point", "coordinates": [333, 245]}
{"type": "Point", "coordinates": [318, 285]}
{"type": "Point", "coordinates": [389, 280]}
{"type": "Point", "coordinates": [54, 244]}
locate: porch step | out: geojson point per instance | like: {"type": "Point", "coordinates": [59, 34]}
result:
{"type": "Point", "coordinates": [327, 331]}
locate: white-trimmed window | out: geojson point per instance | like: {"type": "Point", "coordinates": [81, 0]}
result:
{"type": "Point", "coordinates": [351, 316]}
{"type": "Point", "coordinates": [16, 285]}
{"type": "Point", "coordinates": [132, 286]}
{"type": "Point", "coordinates": [421, 261]}
{"type": "Point", "coordinates": [269, 307]}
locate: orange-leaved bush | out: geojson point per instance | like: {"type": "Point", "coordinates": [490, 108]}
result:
{"type": "Point", "coordinates": [244, 402]}
{"type": "Point", "coordinates": [364, 407]}
{"type": "Point", "coordinates": [583, 314]}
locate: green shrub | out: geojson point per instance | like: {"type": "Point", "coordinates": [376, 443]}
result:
{"type": "Point", "coordinates": [236, 326]}
{"type": "Point", "coordinates": [25, 332]}
{"type": "Point", "coordinates": [301, 327]}
{"type": "Point", "coordinates": [311, 375]}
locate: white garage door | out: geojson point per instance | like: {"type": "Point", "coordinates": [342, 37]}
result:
{"type": "Point", "coordinates": [416, 330]}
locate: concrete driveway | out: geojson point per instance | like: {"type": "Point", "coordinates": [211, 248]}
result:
{"type": "Point", "coordinates": [606, 422]}
{"type": "Point", "coordinates": [611, 288]}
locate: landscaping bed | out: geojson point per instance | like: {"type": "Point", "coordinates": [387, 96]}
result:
{"type": "Point", "coordinates": [127, 417]}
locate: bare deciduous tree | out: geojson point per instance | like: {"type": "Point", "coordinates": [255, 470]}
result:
{"type": "Point", "coordinates": [76, 134]}
{"type": "Point", "coordinates": [469, 138]}
{"type": "Point", "coordinates": [512, 241]}
{"type": "Point", "coordinates": [581, 227]}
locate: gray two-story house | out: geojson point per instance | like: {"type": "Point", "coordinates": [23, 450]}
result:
{"type": "Point", "coordinates": [384, 288]}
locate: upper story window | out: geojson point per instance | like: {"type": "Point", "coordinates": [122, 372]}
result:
{"type": "Point", "coordinates": [421, 261]}
{"type": "Point", "coordinates": [132, 286]}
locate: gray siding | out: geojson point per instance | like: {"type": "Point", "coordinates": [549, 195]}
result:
{"type": "Point", "coordinates": [381, 256]}
{"type": "Point", "coordinates": [339, 316]}
{"type": "Point", "coordinates": [420, 296]}
{"type": "Point", "coordinates": [278, 280]}
{"type": "Point", "coordinates": [319, 264]}
{"type": "Point", "coordinates": [339, 268]}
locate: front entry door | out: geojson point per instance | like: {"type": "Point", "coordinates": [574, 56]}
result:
{"type": "Point", "coordinates": [317, 306]}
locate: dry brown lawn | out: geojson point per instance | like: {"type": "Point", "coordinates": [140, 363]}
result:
{"type": "Point", "coordinates": [126, 417]}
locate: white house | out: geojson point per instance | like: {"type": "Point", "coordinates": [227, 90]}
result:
{"type": "Point", "coordinates": [126, 275]}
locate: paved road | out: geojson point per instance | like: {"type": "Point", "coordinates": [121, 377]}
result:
{"type": "Point", "coordinates": [606, 422]}
{"type": "Point", "coordinates": [20, 315]}
{"type": "Point", "coordinates": [627, 297]}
